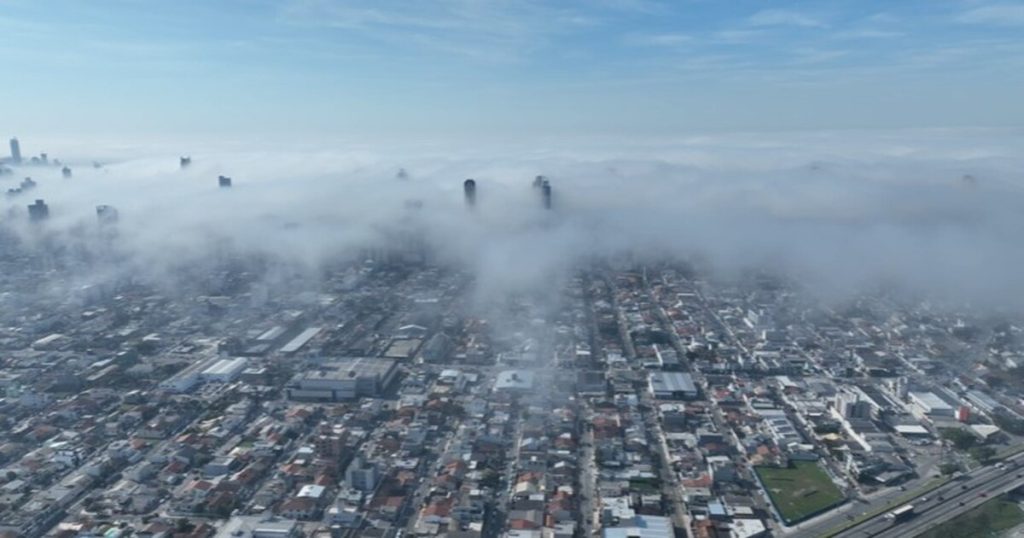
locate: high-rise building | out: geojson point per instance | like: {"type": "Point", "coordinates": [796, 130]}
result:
{"type": "Point", "coordinates": [183, 162]}
{"type": "Point", "coordinates": [362, 475]}
{"type": "Point", "coordinates": [849, 404]}
{"type": "Point", "coordinates": [224, 181]}
{"type": "Point", "coordinates": [106, 214]}
{"type": "Point", "coordinates": [546, 193]}
{"type": "Point", "coordinates": [66, 172]}
{"type": "Point", "coordinates": [38, 211]}
{"type": "Point", "coordinates": [15, 151]}
{"type": "Point", "coordinates": [469, 189]}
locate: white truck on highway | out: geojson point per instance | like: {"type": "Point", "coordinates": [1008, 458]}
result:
{"type": "Point", "coordinates": [901, 514]}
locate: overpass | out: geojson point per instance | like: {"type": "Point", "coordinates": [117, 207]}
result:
{"type": "Point", "coordinates": [945, 502]}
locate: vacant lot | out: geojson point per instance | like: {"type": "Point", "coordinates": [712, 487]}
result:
{"type": "Point", "coordinates": [989, 519]}
{"type": "Point", "coordinates": [800, 490]}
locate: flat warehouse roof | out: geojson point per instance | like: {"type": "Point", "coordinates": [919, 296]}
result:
{"type": "Point", "coordinates": [672, 382]}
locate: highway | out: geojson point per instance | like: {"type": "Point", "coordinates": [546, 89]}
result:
{"type": "Point", "coordinates": [945, 502]}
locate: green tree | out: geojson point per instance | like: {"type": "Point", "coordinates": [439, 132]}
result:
{"type": "Point", "coordinates": [961, 439]}
{"type": "Point", "coordinates": [983, 454]}
{"type": "Point", "coordinates": [1010, 424]}
{"type": "Point", "coordinates": [948, 468]}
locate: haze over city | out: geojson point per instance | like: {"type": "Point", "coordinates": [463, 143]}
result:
{"type": "Point", "coordinates": [535, 269]}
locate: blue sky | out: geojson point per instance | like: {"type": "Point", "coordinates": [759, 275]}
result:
{"type": "Point", "coordinates": [438, 67]}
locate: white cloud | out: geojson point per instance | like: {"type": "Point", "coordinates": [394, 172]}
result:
{"type": "Point", "coordinates": [840, 208]}
{"type": "Point", "coordinates": [486, 29]}
{"type": "Point", "coordinates": [996, 14]}
{"type": "Point", "coordinates": [659, 40]}
{"type": "Point", "coordinates": [868, 33]}
{"type": "Point", "coordinates": [783, 17]}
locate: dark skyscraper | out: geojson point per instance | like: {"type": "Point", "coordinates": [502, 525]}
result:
{"type": "Point", "coordinates": [106, 214]}
{"type": "Point", "coordinates": [66, 171]}
{"type": "Point", "coordinates": [224, 181]}
{"type": "Point", "coordinates": [183, 162]}
{"type": "Point", "coordinates": [546, 193]}
{"type": "Point", "coordinates": [538, 182]}
{"type": "Point", "coordinates": [469, 188]}
{"type": "Point", "coordinates": [38, 211]}
{"type": "Point", "coordinates": [15, 151]}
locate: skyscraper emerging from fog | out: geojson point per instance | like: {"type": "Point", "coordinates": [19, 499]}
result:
{"type": "Point", "coordinates": [469, 189]}
{"type": "Point", "coordinates": [106, 214]}
{"type": "Point", "coordinates": [546, 193]}
{"type": "Point", "coordinates": [224, 181]}
{"type": "Point", "coordinates": [15, 151]}
{"type": "Point", "coordinates": [38, 211]}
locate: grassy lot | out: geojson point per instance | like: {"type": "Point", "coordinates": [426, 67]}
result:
{"type": "Point", "coordinates": [800, 490]}
{"type": "Point", "coordinates": [987, 520]}
{"type": "Point", "coordinates": [1009, 451]}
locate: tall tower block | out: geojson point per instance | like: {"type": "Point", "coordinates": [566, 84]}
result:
{"type": "Point", "coordinates": [469, 189]}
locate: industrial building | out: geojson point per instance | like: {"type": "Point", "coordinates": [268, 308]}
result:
{"type": "Point", "coordinates": [930, 405]}
{"type": "Point", "coordinates": [344, 379]}
{"type": "Point", "coordinates": [983, 402]}
{"type": "Point", "coordinates": [299, 341]}
{"type": "Point", "coordinates": [672, 385]}
{"type": "Point", "coordinates": [188, 378]}
{"type": "Point", "coordinates": [224, 370]}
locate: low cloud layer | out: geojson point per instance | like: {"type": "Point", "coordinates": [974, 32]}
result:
{"type": "Point", "coordinates": [937, 211]}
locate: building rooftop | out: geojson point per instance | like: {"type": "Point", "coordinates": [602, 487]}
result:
{"type": "Point", "coordinates": [225, 366]}
{"type": "Point", "coordinates": [672, 382]}
{"type": "Point", "coordinates": [930, 399]}
{"type": "Point", "coordinates": [642, 527]}
{"type": "Point", "coordinates": [349, 367]}
{"type": "Point", "coordinates": [514, 380]}
{"type": "Point", "coordinates": [302, 339]}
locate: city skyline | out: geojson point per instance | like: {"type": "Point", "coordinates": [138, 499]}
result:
{"type": "Point", "coordinates": [512, 269]}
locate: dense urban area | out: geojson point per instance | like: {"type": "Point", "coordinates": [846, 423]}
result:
{"type": "Point", "coordinates": [388, 396]}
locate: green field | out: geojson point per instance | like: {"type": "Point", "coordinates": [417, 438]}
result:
{"type": "Point", "coordinates": [799, 491]}
{"type": "Point", "coordinates": [987, 520]}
